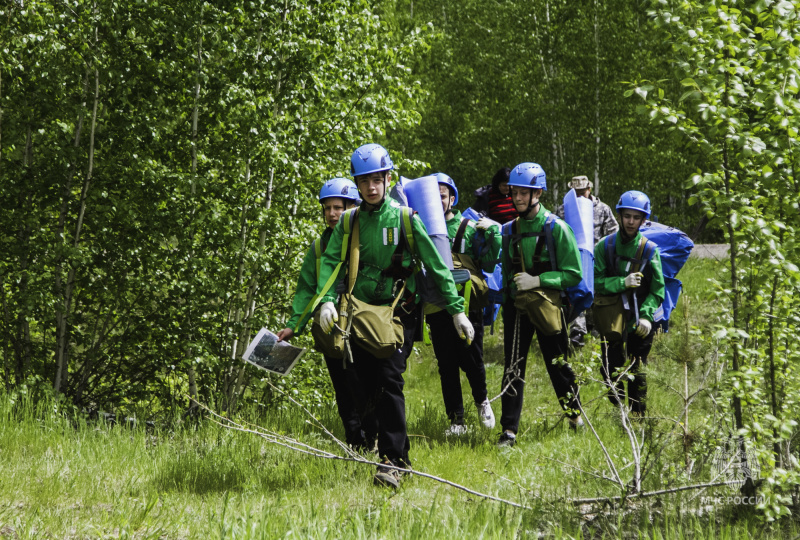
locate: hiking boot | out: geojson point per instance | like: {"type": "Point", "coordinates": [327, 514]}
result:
{"type": "Point", "coordinates": [455, 430]}
{"type": "Point", "coordinates": [486, 414]}
{"type": "Point", "coordinates": [576, 423]}
{"type": "Point", "coordinates": [387, 476]}
{"type": "Point", "coordinates": [507, 438]}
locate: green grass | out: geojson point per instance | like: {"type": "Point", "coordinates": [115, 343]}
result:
{"type": "Point", "coordinates": [61, 477]}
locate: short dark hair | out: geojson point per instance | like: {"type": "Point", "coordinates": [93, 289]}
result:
{"type": "Point", "coordinates": [502, 175]}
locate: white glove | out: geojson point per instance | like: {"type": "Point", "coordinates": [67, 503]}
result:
{"type": "Point", "coordinates": [464, 327]}
{"type": "Point", "coordinates": [526, 281]}
{"type": "Point", "coordinates": [484, 223]}
{"type": "Point", "coordinates": [327, 316]}
{"type": "Point", "coordinates": [633, 280]}
{"type": "Point", "coordinates": [644, 328]}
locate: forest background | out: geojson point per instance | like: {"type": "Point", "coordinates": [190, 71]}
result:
{"type": "Point", "coordinates": [159, 170]}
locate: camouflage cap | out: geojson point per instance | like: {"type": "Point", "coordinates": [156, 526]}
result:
{"type": "Point", "coordinates": [580, 182]}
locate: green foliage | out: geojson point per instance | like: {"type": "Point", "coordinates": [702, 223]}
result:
{"type": "Point", "coordinates": [542, 81]}
{"type": "Point", "coordinates": [160, 166]}
{"type": "Point", "coordinates": [739, 62]}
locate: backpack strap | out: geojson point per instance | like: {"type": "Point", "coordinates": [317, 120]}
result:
{"type": "Point", "coordinates": [458, 241]}
{"type": "Point", "coordinates": [611, 253]}
{"type": "Point", "coordinates": [355, 253]}
{"type": "Point", "coordinates": [406, 230]}
{"type": "Point", "coordinates": [638, 262]}
{"type": "Point", "coordinates": [318, 249]}
{"type": "Point", "coordinates": [348, 223]}
{"type": "Point", "coordinates": [549, 225]}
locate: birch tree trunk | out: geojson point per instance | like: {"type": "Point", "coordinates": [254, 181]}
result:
{"type": "Point", "coordinates": [61, 329]}
{"type": "Point", "coordinates": [596, 99]}
{"type": "Point", "coordinates": [192, 374]}
{"type": "Point", "coordinates": [250, 303]}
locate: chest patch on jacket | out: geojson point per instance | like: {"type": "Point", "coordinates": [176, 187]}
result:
{"type": "Point", "coordinates": [390, 237]}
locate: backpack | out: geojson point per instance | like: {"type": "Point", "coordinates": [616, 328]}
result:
{"type": "Point", "coordinates": [477, 283]}
{"type": "Point", "coordinates": [577, 298]}
{"type": "Point", "coordinates": [674, 247]}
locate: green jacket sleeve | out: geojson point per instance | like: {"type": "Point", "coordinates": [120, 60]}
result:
{"type": "Point", "coordinates": [604, 283]}
{"type": "Point", "coordinates": [657, 289]}
{"type": "Point", "coordinates": [434, 265]}
{"type": "Point", "coordinates": [568, 259]}
{"type": "Point", "coordinates": [330, 259]}
{"type": "Point", "coordinates": [304, 292]}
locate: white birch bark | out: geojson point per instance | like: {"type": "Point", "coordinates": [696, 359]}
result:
{"type": "Point", "coordinates": [63, 341]}
{"type": "Point", "coordinates": [596, 100]}
{"type": "Point", "coordinates": [195, 115]}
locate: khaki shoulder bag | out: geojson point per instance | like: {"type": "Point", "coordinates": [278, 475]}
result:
{"type": "Point", "coordinates": [541, 305]}
{"type": "Point", "coordinates": [374, 328]}
{"type": "Point", "coordinates": [332, 344]}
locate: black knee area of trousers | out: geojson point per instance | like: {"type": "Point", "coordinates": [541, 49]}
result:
{"type": "Point", "coordinates": [615, 356]}
{"type": "Point", "coordinates": [382, 381]}
{"type": "Point", "coordinates": [552, 347]}
{"type": "Point", "coordinates": [453, 354]}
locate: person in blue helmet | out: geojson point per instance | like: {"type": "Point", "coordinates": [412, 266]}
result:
{"type": "Point", "coordinates": [627, 264]}
{"type": "Point", "coordinates": [386, 262]}
{"type": "Point", "coordinates": [335, 196]}
{"type": "Point", "coordinates": [453, 354]}
{"type": "Point", "coordinates": [536, 266]}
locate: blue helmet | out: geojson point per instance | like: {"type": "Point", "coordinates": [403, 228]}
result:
{"type": "Point", "coordinates": [445, 180]}
{"type": "Point", "coordinates": [635, 200]}
{"type": "Point", "coordinates": [343, 188]}
{"type": "Point", "coordinates": [528, 175]}
{"type": "Point", "coordinates": [370, 158]}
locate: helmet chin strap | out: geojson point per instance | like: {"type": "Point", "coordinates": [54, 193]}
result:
{"type": "Point", "coordinates": [624, 235]}
{"type": "Point", "coordinates": [531, 207]}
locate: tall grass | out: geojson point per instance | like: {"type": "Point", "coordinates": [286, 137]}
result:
{"type": "Point", "coordinates": [63, 476]}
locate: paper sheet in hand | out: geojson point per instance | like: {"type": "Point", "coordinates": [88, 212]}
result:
{"type": "Point", "coordinates": [266, 352]}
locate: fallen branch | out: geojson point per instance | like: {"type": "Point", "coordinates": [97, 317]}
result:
{"type": "Point", "coordinates": [292, 444]}
{"type": "Point", "coordinates": [650, 493]}
{"type": "Point", "coordinates": [598, 476]}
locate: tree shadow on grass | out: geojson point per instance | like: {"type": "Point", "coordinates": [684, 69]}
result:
{"type": "Point", "coordinates": [198, 474]}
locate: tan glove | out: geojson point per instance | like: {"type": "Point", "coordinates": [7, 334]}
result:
{"type": "Point", "coordinates": [633, 280]}
{"type": "Point", "coordinates": [526, 281]}
{"type": "Point", "coordinates": [464, 327]}
{"type": "Point", "coordinates": [644, 328]}
{"type": "Point", "coordinates": [327, 316]}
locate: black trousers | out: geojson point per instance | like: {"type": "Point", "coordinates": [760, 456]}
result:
{"type": "Point", "coordinates": [350, 402]}
{"type": "Point", "coordinates": [453, 354]}
{"type": "Point", "coordinates": [552, 347]}
{"type": "Point", "coordinates": [614, 358]}
{"type": "Point", "coordinates": [382, 382]}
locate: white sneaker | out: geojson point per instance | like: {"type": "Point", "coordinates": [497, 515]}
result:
{"type": "Point", "coordinates": [486, 414]}
{"type": "Point", "coordinates": [455, 430]}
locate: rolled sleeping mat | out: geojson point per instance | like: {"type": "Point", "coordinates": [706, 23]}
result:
{"type": "Point", "coordinates": [579, 214]}
{"type": "Point", "coordinates": [581, 296]}
{"type": "Point", "coordinates": [442, 244]}
{"type": "Point", "coordinates": [423, 196]}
